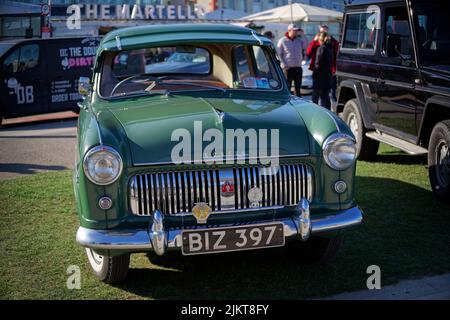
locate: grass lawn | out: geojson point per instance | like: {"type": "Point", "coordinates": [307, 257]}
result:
{"type": "Point", "coordinates": [406, 232]}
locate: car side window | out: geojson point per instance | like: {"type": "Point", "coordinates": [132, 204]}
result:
{"type": "Point", "coordinates": [22, 59]}
{"type": "Point", "coordinates": [397, 33]}
{"type": "Point", "coordinates": [361, 31]}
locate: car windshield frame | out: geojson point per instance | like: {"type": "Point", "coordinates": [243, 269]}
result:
{"type": "Point", "coordinates": [269, 55]}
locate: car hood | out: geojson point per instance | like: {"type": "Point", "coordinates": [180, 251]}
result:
{"type": "Point", "coordinates": [152, 123]}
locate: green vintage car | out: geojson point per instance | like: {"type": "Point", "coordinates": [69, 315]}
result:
{"type": "Point", "coordinates": [189, 140]}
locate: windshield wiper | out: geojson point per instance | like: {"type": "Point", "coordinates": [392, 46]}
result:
{"type": "Point", "coordinates": [139, 93]}
{"type": "Point", "coordinates": [147, 76]}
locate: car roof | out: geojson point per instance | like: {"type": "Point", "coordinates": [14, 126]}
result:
{"type": "Point", "coordinates": [169, 34]}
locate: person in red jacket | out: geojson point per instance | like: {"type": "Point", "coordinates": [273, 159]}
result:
{"type": "Point", "coordinates": [312, 50]}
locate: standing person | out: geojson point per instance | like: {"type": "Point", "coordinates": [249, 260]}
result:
{"type": "Point", "coordinates": [290, 49]}
{"type": "Point", "coordinates": [269, 34]}
{"type": "Point", "coordinates": [322, 71]}
{"type": "Point", "coordinates": [311, 53]}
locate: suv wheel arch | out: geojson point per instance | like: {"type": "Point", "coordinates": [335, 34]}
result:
{"type": "Point", "coordinates": [436, 110]}
{"type": "Point", "coordinates": [351, 89]}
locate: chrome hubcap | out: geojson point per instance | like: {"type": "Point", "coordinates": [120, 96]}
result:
{"type": "Point", "coordinates": [353, 124]}
{"type": "Point", "coordinates": [97, 258]}
{"type": "Point", "coordinates": [443, 163]}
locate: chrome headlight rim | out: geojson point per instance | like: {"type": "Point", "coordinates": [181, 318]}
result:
{"type": "Point", "coordinates": [102, 148]}
{"type": "Point", "coordinates": [328, 142]}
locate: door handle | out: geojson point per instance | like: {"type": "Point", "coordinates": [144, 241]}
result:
{"type": "Point", "coordinates": [381, 81]}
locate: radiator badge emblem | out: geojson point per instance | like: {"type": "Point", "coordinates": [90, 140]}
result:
{"type": "Point", "coordinates": [227, 188]}
{"type": "Point", "coordinates": [255, 196]}
{"type": "Point", "coordinates": [201, 212]}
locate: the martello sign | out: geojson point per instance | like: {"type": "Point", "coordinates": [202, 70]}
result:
{"type": "Point", "coordinates": [126, 12]}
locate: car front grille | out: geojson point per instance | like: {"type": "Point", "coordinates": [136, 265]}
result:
{"type": "Point", "coordinates": [176, 192]}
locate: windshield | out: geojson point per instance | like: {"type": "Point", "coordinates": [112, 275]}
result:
{"type": "Point", "coordinates": [171, 69]}
{"type": "Point", "coordinates": [433, 32]}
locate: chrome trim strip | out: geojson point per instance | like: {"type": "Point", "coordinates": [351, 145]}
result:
{"type": "Point", "coordinates": [141, 239]}
{"type": "Point", "coordinates": [257, 38]}
{"type": "Point", "coordinates": [223, 161]}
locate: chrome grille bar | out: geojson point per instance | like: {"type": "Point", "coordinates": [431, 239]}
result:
{"type": "Point", "coordinates": [176, 192]}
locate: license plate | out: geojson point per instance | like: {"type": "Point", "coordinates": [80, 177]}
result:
{"type": "Point", "coordinates": [232, 238]}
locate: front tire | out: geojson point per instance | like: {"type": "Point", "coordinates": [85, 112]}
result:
{"type": "Point", "coordinates": [316, 250]}
{"type": "Point", "coordinates": [366, 148]}
{"type": "Point", "coordinates": [439, 161]}
{"type": "Point", "coordinates": [109, 269]}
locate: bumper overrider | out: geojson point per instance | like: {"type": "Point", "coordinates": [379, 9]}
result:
{"type": "Point", "coordinates": [158, 239]}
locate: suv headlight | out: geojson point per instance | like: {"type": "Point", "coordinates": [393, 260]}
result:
{"type": "Point", "coordinates": [102, 165]}
{"type": "Point", "coordinates": [339, 151]}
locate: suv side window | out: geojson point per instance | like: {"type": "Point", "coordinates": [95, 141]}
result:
{"type": "Point", "coordinates": [397, 33]}
{"type": "Point", "coordinates": [361, 31]}
{"type": "Point", "coordinates": [21, 59]}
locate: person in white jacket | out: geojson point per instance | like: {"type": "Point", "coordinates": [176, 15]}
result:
{"type": "Point", "coordinates": [290, 50]}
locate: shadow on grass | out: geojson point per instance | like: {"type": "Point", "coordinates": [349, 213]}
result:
{"type": "Point", "coordinates": [28, 168]}
{"type": "Point", "coordinates": [400, 158]}
{"type": "Point", "coordinates": [406, 233]}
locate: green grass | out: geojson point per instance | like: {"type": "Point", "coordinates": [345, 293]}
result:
{"type": "Point", "coordinates": [406, 233]}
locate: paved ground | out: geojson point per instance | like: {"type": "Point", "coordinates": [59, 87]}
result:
{"type": "Point", "coordinates": [37, 147]}
{"type": "Point", "coordinates": [429, 288]}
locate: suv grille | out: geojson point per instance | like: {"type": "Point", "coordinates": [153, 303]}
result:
{"type": "Point", "coordinates": [176, 192]}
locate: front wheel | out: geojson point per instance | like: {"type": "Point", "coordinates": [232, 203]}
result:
{"type": "Point", "coordinates": [108, 269]}
{"type": "Point", "coordinates": [439, 160]}
{"type": "Point", "coordinates": [315, 250]}
{"type": "Point", "coordinates": [366, 147]}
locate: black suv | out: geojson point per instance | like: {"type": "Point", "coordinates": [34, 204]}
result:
{"type": "Point", "coordinates": [394, 80]}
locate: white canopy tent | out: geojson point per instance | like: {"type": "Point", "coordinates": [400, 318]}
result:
{"type": "Point", "coordinates": [223, 14]}
{"type": "Point", "coordinates": [296, 12]}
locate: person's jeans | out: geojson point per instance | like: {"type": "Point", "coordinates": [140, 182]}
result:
{"type": "Point", "coordinates": [333, 87]}
{"type": "Point", "coordinates": [323, 95]}
{"type": "Point", "coordinates": [294, 74]}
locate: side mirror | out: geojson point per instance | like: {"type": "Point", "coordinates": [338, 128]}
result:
{"type": "Point", "coordinates": [84, 86]}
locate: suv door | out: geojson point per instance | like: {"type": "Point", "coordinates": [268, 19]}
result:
{"type": "Point", "coordinates": [398, 103]}
{"type": "Point", "coordinates": [22, 90]}
{"type": "Point", "coordinates": [359, 53]}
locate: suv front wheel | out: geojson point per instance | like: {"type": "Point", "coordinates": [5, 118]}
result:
{"type": "Point", "coordinates": [366, 147]}
{"type": "Point", "coordinates": [439, 160]}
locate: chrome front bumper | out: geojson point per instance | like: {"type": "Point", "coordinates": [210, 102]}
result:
{"type": "Point", "coordinates": [158, 239]}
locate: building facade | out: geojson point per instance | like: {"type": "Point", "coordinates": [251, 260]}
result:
{"type": "Point", "coordinates": [254, 6]}
{"type": "Point", "coordinates": [96, 17]}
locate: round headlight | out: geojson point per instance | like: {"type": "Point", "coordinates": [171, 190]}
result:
{"type": "Point", "coordinates": [339, 151]}
{"type": "Point", "coordinates": [102, 165]}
